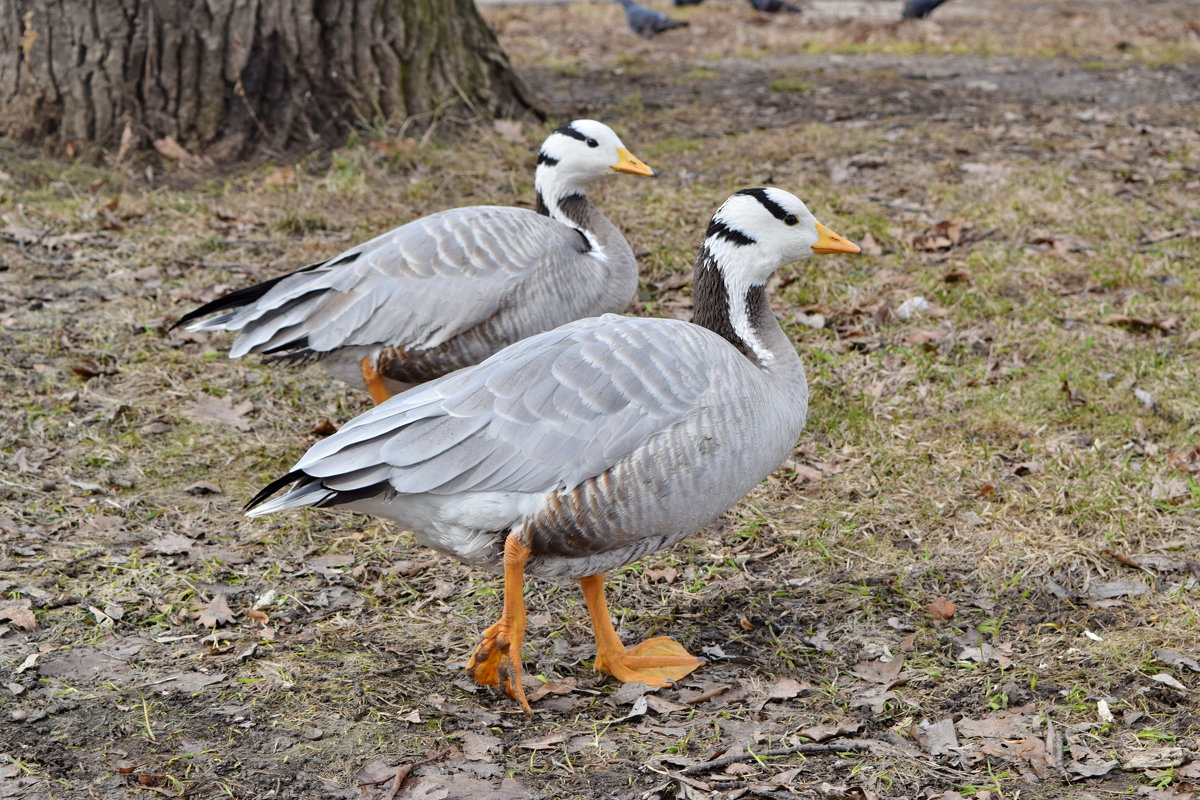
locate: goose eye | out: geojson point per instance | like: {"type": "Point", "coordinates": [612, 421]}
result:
{"type": "Point", "coordinates": [592, 143]}
{"type": "Point", "coordinates": [791, 219]}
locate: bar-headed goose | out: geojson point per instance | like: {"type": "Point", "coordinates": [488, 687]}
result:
{"type": "Point", "coordinates": [582, 449]}
{"type": "Point", "coordinates": [450, 289]}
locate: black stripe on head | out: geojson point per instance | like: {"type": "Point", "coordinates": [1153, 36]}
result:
{"type": "Point", "coordinates": [549, 161]}
{"type": "Point", "coordinates": [722, 231]}
{"type": "Point", "coordinates": [567, 130]}
{"type": "Point", "coordinates": [762, 197]}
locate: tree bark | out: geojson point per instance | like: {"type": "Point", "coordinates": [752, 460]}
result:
{"type": "Point", "coordinates": [228, 76]}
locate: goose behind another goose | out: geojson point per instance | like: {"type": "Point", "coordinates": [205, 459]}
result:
{"type": "Point", "coordinates": [450, 289]}
{"type": "Point", "coordinates": [582, 449]}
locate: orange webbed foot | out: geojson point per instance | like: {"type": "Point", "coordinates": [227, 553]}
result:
{"type": "Point", "coordinates": [654, 662]}
{"type": "Point", "coordinates": [497, 659]}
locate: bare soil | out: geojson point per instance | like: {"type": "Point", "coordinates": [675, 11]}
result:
{"type": "Point", "coordinates": [977, 576]}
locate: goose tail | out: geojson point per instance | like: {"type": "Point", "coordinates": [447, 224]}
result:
{"type": "Point", "coordinates": [306, 491]}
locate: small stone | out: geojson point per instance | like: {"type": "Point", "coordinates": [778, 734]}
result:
{"type": "Point", "coordinates": [312, 733]}
{"type": "Point", "coordinates": [912, 307]}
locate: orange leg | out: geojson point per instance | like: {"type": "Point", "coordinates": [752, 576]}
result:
{"type": "Point", "coordinates": [497, 660]}
{"type": "Point", "coordinates": [654, 662]}
{"type": "Point", "coordinates": [374, 381]}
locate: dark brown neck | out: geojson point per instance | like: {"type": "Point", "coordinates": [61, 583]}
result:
{"type": "Point", "coordinates": [712, 307]}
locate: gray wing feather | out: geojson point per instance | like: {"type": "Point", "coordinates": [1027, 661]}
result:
{"type": "Point", "coordinates": [395, 290]}
{"type": "Point", "coordinates": [550, 411]}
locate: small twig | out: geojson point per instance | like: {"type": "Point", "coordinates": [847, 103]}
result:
{"type": "Point", "coordinates": [1175, 234]}
{"type": "Point", "coordinates": [403, 770]}
{"type": "Point", "coordinates": [48, 262]}
{"type": "Point", "coordinates": [1126, 560]}
{"type": "Point", "coordinates": [806, 749]}
{"type": "Point", "coordinates": [22, 486]}
{"type": "Point", "coordinates": [709, 695]}
{"type": "Point", "coordinates": [401, 773]}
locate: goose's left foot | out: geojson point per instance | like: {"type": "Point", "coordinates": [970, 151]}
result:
{"type": "Point", "coordinates": [655, 662]}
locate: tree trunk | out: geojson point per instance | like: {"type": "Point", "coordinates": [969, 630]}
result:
{"type": "Point", "coordinates": [228, 76]}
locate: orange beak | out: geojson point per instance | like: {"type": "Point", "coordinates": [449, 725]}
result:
{"type": "Point", "coordinates": [830, 242]}
{"type": "Point", "coordinates": [628, 162]}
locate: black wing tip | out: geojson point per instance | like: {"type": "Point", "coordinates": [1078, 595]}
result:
{"type": "Point", "coordinates": [271, 488]}
{"type": "Point", "coordinates": [250, 294]}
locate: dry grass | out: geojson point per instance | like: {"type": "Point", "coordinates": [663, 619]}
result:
{"type": "Point", "coordinates": [943, 459]}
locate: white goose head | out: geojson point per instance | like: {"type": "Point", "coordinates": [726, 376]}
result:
{"type": "Point", "coordinates": [584, 150]}
{"type": "Point", "coordinates": [577, 154]}
{"type": "Point", "coordinates": [757, 231]}
{"type": "Point", "coordinates": [754, 233]}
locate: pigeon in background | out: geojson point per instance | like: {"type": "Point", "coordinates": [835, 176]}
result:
{"type": "Point", "coordinates": [646, 21]}
{"type": "Point", "coordinates": [774, 6]}
{"type": "Point", "coordinates": [919, 9]}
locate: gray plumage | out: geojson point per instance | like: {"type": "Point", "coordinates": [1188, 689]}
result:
{"type": "Point", "coordinates": [919, 9]}
{"type": "Point", "coordinates": [774, 6]}
{"type": "Point", "coordinates": [448, 290]}
{"type": "Point", "coordinates": [600, 441]}
{"type": "Point", "coordinates": [646, 21]}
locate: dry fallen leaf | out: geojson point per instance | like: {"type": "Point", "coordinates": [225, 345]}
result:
{"type": "Point", "coordinates": [215, 612]}
{"type": "Point", "coordinates": [187, 682]}
{"type": "Point", "coordinates": [662, 572]}
{"type": "Point", "coordinates": [939, 738]}
{"type": "Point", "coordinates": [1153, 758]}
{"type": "Point", "coordinates": [509, 130]}
{"type": "Point", "coordinates": [1176, 660]}
{"type": "Point", "coordinates": [786, 688]}
{"type": "Point", "coordinates": [323, 427]}
{"type": "Point", "coordinates": [870, 246]}
{"type": "Point", "coordinates": [173, 150]}
{"type": "Point", "coordinates": [875, 699]}
{"type": "Point", "coordinates": [19, 613]}
{"type": "Point", "coordinates": [1140, 324]}
{"type": "Point", "coordinates": [1169, 680]}
{"type": "Point", "coordinates": [283, 176]}
{"type": "Point", "coordinates": [479, 746]}
{"type": "Point", "coordinates": [223, 410]}
{"type": "Point", "coordinates": [924, 336]}
{"type": "Point", "coordinates": [942, 235]}
{"type": "Point", "coordinates": [885, 672]}
{"type": "Point", "coordinates": [941, 608]}
{"type": "Point", "coordinates": [171, 544]}
{"type": "Point", "coordinates": [557, 688]}
{"type": "Point", "coordinates": [1074, 398]}
{"type": "Point", "coordinates": [1092, 769]}
{"type": "Point", "coordinates": [1013, 723]}
{"type": "Point", "coordinates": [547, 742]}
{"type": "Point", "coordinates": [819, 733]}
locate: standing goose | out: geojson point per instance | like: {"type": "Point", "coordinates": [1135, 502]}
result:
{"type": "Point", "coordinates": [450, 289]}
{"type": "Point", "coordinates": [582, 449]}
